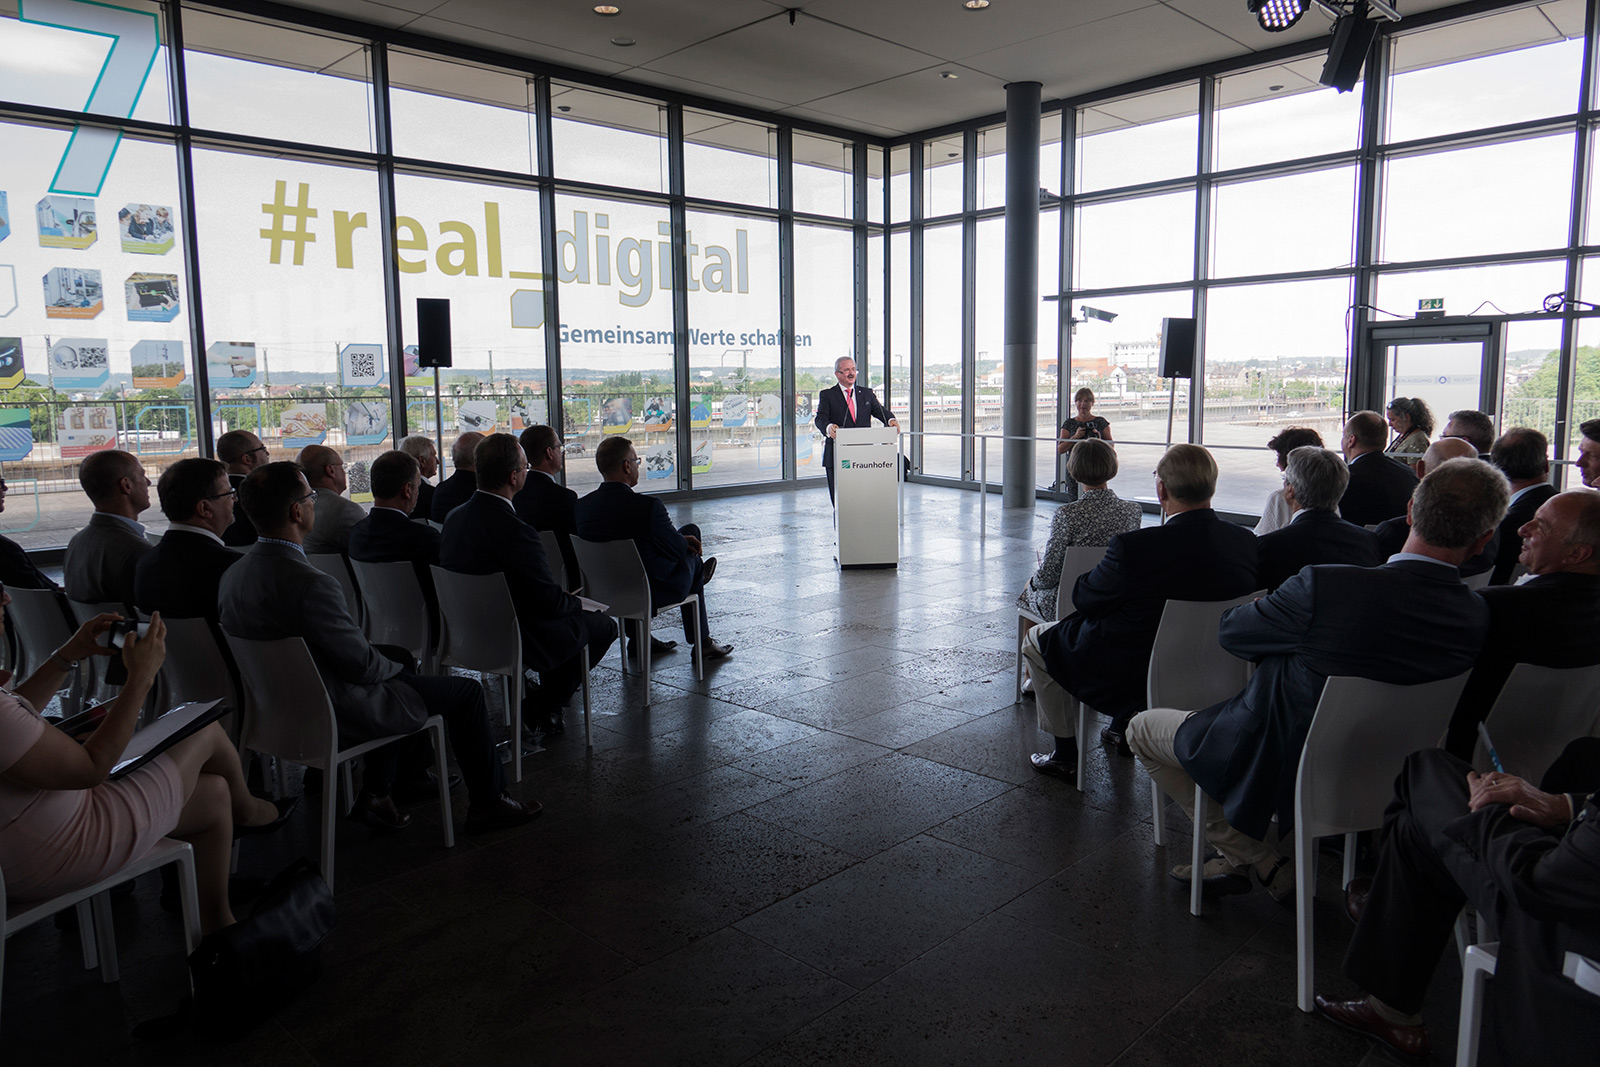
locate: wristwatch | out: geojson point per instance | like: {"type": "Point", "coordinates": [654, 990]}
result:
{"type": "Point", "coordinates": [68, 665]}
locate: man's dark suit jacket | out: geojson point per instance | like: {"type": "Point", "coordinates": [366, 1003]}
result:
{"type": "Point", "coordinates": [1392, 534]}
{"type": "Point", "coordinates": [1517, 516]}
{"type": "Point", "coordinates": [100, 560]}
{"type": "Point", "coordinates": [484, 536]}
{"type": "Point", "coordinates": [1549, 621]}
{"type": "Point", "coordinates": [614, 512]}
{"type": "Point", "coordinates": [424, 508]}
{"type": "Point", "coordinates": [1406, 622]}
{"type": "Point", "coordinates": [831, 408]}
{"type": "Point", "coordinates": [241, 531]}
{"type": "Point", "coordinates": [546, 504]}
{"type": "Point", "coordinates": [1101, 652]}
{"type": "Point", "coordinates": [17, 568]}
{"type": "Point", "coordinates": [1313, 537]}
{"type": "Point", "coordinates": [386, 536]}
{"type": "Point", "coordinates": [1379, 489]}
{"type": "Point", "coordinates": [452, 493]}
{"type": "Point", "coordinates": [180, 577]}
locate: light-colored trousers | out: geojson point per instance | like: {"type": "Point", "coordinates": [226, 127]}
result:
{"type": "Point", "coordinates": [1058, 709]}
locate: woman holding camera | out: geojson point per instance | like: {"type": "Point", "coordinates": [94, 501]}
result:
{"type": "Point", "coordinates": [1084, 426]}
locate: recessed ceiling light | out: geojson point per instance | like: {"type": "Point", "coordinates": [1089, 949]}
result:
{"type": "Point", "coordinates": [563, 108]}
{"type": "Point", "coordinates": [607, 9]}
{"type": "Point", "coordinates": [1274, 88]}
{"type": "Point", "coordinates": [975, 5]}
{"type": "Point", "coordinates": [951, 155]}
{"type": "Point", "coordinates": [623, 42]}
{"type": "Point", "coordinates": [949, 75]}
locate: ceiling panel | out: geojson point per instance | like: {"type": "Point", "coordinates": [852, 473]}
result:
{"type": "Point", "coordinates": [946, 29]}
{"type": "Point", "coordinates": [473, 35]}
{"type": "Point", "coordinates": [919, 100]}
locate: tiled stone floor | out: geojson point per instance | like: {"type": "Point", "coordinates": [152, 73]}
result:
{"type": "Point", "coordinates": [831, 851]}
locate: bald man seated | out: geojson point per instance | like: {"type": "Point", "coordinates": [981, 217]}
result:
{"type": "Point", "coordinates": [336, 516]}
{"type": "Point", "coordinates": [1392, 533]}
{"type": "Point", "coordinates": [463, 481]}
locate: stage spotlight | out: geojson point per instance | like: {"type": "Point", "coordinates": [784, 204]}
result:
{"type": "Point", "coordinates": [1275, 16]}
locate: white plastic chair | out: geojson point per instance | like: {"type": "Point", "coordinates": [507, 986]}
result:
{"type": "Point", "coordinates": [1360, 736]}
{"type": "Point", "coordinates": [288, 715]}
{"type": "Point", "coordinates": [478, 631]}
{"type": "Point", "coordinates": [1477, 967]}
{"type": "Point", "coordinates": [40, 622]}
{"type": "Point", "coordinates": [1539, 710]}
{"type": "Point", "coordinates": [336, 565]}
{"type": "Point", "coordinates": [1189, 670]}
{"type": "Point", "coordinates": [98, 688]}
{"type": "Point", "coordinates": [614, 573]}
{"type": "Point", "coordinates": [195, 669]}
{"type": "Point", "coordinates": [397, 612]}
{"type": "Point", "coordinates": [93, 903]}
{"type": "Point", "coordinates": [552, 555]}
{"type": "Point", "coordinates": [1078, 561]}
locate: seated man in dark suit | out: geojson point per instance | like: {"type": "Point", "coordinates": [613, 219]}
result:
{"type": "Point", "coordinates": [420, 448]}
{"type": "Point", "coordinates": [463, 482]}
{"type": "Point", "coordinates": [388, 534]}
{"type": "Point", "coordinates": [484, 536]}
{"type": "Point", "coordinates": [1550, 620]}
{"type": "Point", "coordinates": [1472, 426]}
{"type": "Point", "coordinates": [101, 556]}
{"type": "Point", "coordinates": [273, 593]}
{"type": "Point", "coordinates": [17, 568]}
{"type": "Point", "coordinates": [1523, 456]}
{"type": "Point", "coordinates": [243, 452]}
{"type": "Point", "coordinates": [1379, 487]}
{"type": "Point", "coordinates": [1406, 622]}
{"type": "Point", "coordinates": [673, 556]}
{"type": "Point", "coordinates": [1101, 652]}
{"type": "Point", "coordinates": [1313, 481]}
{"type": "Point", "coordinates": [1392, 533]}
{"type": "Point", "coordinates": [1526, 856]}
{"type": "Point", "coordinates": [181, 575]}
{"type": "Point", "coordinates": [543, 502]}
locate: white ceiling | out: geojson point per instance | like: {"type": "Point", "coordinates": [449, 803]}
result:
{"type": "Point", "coordinates": [872, 65]}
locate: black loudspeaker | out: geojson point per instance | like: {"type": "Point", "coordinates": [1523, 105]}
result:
{"type": "Point", "coordinates": [1352, 40]}
{"type": "Point", "coordinates": [433, 333]}
{"type": "Point", "coordinates": [1177, 348]}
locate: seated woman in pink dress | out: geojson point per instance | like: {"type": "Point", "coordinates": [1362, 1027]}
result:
{"type": "Point", "coordinates": [64, 825]}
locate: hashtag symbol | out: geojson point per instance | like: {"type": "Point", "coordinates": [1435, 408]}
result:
{"type": "Point", "coordinates": [297, 215]}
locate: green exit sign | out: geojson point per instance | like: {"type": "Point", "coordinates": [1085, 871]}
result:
{"type": "Point", "coordinates": [1433, 304]}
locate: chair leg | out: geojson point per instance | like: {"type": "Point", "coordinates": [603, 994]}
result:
{"type": "Point", "coordinates": [1463, 935]}
{"type": "Point", "coordinates": [699, 649]}
{"type": "Point", "coordinates": [1305, 890]}
{"type": "Point", "coordinates": [514, 713]}
{"type": "Point", "coordinates": [622, 645]}
{"type": "Point", "coordinates": [644, 643]}
{"type": "Point", "coordinates": [509, 682]}
{"type": "Point", "coordinates": [1158, 813]}
{"type": "Point", "coordinates": [349, 781]}
{"type": "Point", "coordinates": [441, 770]}
{"type": "Point", "coordinates": [330, 808]}
{"type": "Point", "coordinates": [189, 897]}
{"type": "Point", "coordinates": [86, 936]}
{"type": "Point", "coordinates": [1349, 861]}
{"type": "Point", "coordinates": [1022, 632]}
{"type": "Point", "coordinates": [1476, 970]}
{"type": "Point", "coordinates": [105, 937]}
{"type": "Point", "coordinates": [1083, 742]}
{"type": "Point", "coordinates": [588, 730]}
{"type": "Point", "coordinates": [1198, 853]}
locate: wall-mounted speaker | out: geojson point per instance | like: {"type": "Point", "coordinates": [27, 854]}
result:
{"type": "Point", "coordinates": [1177, 348]}
{"type": "Point", "coordinates": [1352, 40]}
{"type": "Point", "coordinates": [433, 333]}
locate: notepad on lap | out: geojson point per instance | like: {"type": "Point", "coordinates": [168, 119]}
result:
{"type": "Point", "coordinates": [168, 730]}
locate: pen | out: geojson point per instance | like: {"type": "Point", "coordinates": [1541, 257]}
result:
{"type": "Point", "coordinates": [1494, 757]}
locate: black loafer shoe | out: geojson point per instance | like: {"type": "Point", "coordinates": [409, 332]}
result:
{"type": "Point", "coordinates": [1108, 736]}
{"type": "Point", "coordinates": [716, 651]}
{"type": "Point", "coordinates": [285, 808]}
{"type": "Point", "coordinates": [503, 814]}
{"type": "Point", "coordinates": [378, 813]}
{"type": "Point", "coordinates": [1355, 898]}
{"type": "Point", "coordinates": [1046, 763]}
{"type": "Point", "coordinates": [707, 570]}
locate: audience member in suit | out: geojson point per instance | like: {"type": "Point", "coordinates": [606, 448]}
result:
{"type": "Point", "coordinates": [544, 503]}
{"type": "Point", "coordinates": [421, 449]}
{"type": "Point", "coordinates": [1588, 461]}
{"type": "Point", "coordinates": [388, 535]}
{"type": "Point", "coordinates": [1101, 652]}
{"type": "Point", "coordinates": [17, 568]}
{"type": "Point", "coordinates": [1526, 856]}
{"type": "Point", "coordinates": [337, 515]}
{"type": "Point", "coordinates": [1472, 426]}
{"type": "Point", "coordinates": [673, 557]}
{"type": "Point", "coordinates": [181, 575]}
{"type": "Point", "coordinates": [273, 593]}
{"type": "Point", "coordinates": [1409, 621]}
{"type": "Point", "coordinates": [101, 556]}
{"type": "Point", "coordinates": [1379, 487]}
{"type": "Point", "coordinates": [1523, 456]}
{"type": "Point", "coordinates": [1313, 482]}
{"type": "Point", "coordinates": [1392, 533]}
{"type": "Point", "coordinates": [243, 452]}
{"type": "Point", "coordinates": [1275, 513]}
{"type": "Point", "coordinates": [848, 405]}
{"type": "Point", "coordinates": [462, 483]}
{"type": "Point", "coordinates": [1550, 620]}
{"type": "Point", "coordinates": [485, 536]}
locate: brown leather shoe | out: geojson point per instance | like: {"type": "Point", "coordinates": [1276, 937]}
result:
{"type": "Point", "coordinates": [716, 651]}
{"type": "Point", "coordinates": [503, 814]}
{"type": "Point", "coordinates": [378, 813]}
{"type": "Point", "coordinates": [1360, 1016]}
{"type": "Point", "coordinates": [1355, 898]}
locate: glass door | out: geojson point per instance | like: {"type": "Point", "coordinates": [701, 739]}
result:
{"type": "Point", "coordinates": [1447, 366]}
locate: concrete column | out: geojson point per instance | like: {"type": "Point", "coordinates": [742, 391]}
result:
{"type": "Point", "coordinates": [1022, 291]}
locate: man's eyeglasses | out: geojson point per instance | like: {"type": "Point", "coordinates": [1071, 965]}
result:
{"type": "Point", "coordinates": [259, 448]}
{"type": "Point", "coordinates": [219, 496]}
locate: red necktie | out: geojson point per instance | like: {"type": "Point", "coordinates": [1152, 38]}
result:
{"type": "Point", "coordinates": [850, 399]}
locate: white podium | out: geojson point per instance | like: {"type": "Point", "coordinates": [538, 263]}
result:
{"type": "Point", "coordinates": [866, 497]}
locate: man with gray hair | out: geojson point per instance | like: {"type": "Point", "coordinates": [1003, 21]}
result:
{"type": "Point", "coordinates": [1406, 622]}
{"type": "Point", "coordinates": [420, 448]}
{"type": "Point", "coordinates": [459, 487]}
{"type": "Point", "coordinates": [1392, 533]}
{"type": "Point", "coordinates": [844, 406]}
{"type": "Point", "coordinates": [1313, 481]}
{"type": "Point", "coordinates": [1379, 487]}
{"type": "Point", "coordinates": [1472, 426]}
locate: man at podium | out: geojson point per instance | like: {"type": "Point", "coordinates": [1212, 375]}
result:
{"type": "Point", "coordinates": [846, 405]}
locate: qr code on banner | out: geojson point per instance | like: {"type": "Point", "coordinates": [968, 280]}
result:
{"type": "Point", "coordinates": [363, 365]}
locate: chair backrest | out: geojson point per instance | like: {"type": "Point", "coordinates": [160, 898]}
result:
{"type": "Point", "coordinates": [195, 668]}
{"type": "Point", "coordinates": [614, 574]}
{"type": "Point", "coordinates": [1539, 710]}
{"type": "Point", "coordinates": [1477, 581]}
{"type": "Point", "coordinates": [287, 710]}
{"type": "Point", "coordinates": [1078, 561]}
{"type": "Point", "coordinates": [1360, 736]}
{"type": "Point", "coordinates": [99, 688]}
{"type": "Point", "coordinates": [40, 624]}
{"type": "Point", "coordinates": [397, 612]}
{"type": "Point", "coordinates": [334, 564]}
{"type": "Point", "coordinates": [1188, 668]}
{"type": "Point", "coordinates": [552, 554]}
{"type": "Point", "coordinates": [478, 629]}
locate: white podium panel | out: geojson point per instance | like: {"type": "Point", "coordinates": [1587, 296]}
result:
{"type": "Point", "coordinates": [866, 497]}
